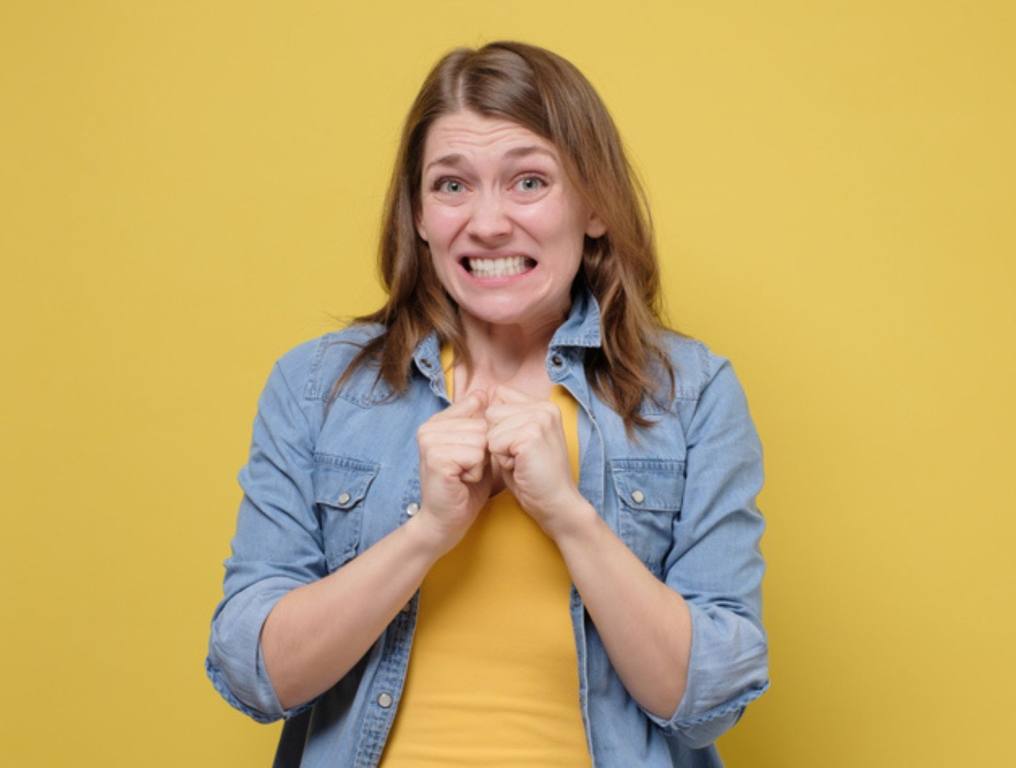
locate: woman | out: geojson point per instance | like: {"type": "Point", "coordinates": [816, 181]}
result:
{"type": "Point", "coordinates": [508, 519]}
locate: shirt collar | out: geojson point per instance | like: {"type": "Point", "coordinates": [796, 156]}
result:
{"type": "Point", "coordinates": [581, 328]}
{"type": "Point", "coordinates": [427, 356]}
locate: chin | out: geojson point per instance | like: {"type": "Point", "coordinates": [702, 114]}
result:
{"type": "Point", "coordinates": [512, 313]}
{"type": "Point", "coordinates": [498, 315]}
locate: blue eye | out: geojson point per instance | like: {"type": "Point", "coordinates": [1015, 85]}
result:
{"type": "Point", "coordinates": [533, 178]}
{"type": "Point", "coordinates": [440, 183]}
{"type": "Point", "coordinates": [454, 186]}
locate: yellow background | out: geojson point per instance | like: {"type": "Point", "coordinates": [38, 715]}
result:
{"type": "Point", "coordinates": [189, 188]}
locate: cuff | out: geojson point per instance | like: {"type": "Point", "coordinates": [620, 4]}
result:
{"type": "Point", "coordinates": [235, 664]}
{"type": "Point", "coordinates": [728, 669]}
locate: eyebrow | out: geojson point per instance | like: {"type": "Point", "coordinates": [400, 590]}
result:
{"type": "Point", "coordinates": [458, 159]}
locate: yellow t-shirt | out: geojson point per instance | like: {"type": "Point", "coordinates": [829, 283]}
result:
{"type": "Point", "coordinates": [493, 673]}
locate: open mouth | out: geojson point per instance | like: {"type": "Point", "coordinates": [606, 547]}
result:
{"type": "Point", "coordinates": [503, 266]}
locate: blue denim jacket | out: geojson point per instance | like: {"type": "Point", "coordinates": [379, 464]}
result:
{"type": "Point", "coordinates": [325, 481]}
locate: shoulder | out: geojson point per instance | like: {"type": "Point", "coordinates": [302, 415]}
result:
{"type": "Point", "coordinates": [695, 363]}
{"type": "Point", "coordinates": [711, 399]}
{"type": "Point", "coordinates": [312, 366]}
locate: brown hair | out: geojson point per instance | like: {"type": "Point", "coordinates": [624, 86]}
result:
{"type": "Point", "coordinates": [548, 95]}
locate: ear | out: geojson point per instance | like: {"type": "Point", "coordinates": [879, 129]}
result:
{"type": "Point", "coordinates": [595, 227]}
{"type": "Point", "coordinates": [419, 228]}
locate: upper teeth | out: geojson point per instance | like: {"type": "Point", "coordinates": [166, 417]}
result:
{"type": "Point", "coordinates": [502, 267]}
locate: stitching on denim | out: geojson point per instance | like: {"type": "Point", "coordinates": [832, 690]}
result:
{"type": "Point", "coordinates": [723, 709]}
{"type": "Point", "coordinates": [351, 339]}
{"type": "Point", "coordinates": [337, 461]}
{"type": "Point", "coordinates": [636, 464]}
{"type": "Point", "coordinates": [707, 373]}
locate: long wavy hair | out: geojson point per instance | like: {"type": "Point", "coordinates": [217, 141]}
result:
{"type": "Point", "coordinates": [545, 93]}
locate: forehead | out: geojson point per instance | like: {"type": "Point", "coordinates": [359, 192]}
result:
{"type": "Point", "coordinates": [471, 134]}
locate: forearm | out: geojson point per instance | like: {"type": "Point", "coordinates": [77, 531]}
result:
{"type": "Point", "coordinates": [645, 626]}
{"type": "Point", "coordinates": [316, 633]}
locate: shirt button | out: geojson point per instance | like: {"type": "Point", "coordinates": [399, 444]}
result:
{"type": "Point", "coordinates": [344, 498]}
{"type": "Point", "coordinates": [637, 496]}
{"type": "Point", "coordinates": [557, 361]}
{"type": "Point", "coordinates": [384, 700]}
{"type": "Point", "coordinates": [412, 509]}
{"type": "Point", "coordinates": [425, 362]}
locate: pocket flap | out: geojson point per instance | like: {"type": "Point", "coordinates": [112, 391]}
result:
{"type": "Point", "coordinates": [653, 484]}
{"type": "Point", "coordinates": [340, 481]}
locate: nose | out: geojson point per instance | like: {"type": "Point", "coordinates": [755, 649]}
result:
{"type": "Point", "coordinates": [488, 219]}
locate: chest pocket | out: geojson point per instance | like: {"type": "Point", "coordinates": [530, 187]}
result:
{"type": "Point", "coordinates": [340, 494]}
{"type": "Point", "coordinates": [649, 494]}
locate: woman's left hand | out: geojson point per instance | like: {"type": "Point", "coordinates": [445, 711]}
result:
{"type": "Point", "coordinates": [526, 439]}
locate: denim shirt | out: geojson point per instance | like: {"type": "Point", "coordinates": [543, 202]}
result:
{"type": "Point", "coordinates": [325, 481]}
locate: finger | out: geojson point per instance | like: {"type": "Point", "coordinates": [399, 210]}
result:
{"type": "Point", "coordinates": [432, 436]}
{"type": "Point", "coordinates": [540, 413]}
{"type": "Point", "coordinates": [456, 460]}
{"type": "Point", "coordinates": [437, 442]}
{"type": "Point", "coordinates": [475, 473]}
{"type": "Point", "coordinates": [509, 423]}
{"type": "Point", "coordinates": [499, 412]}
{"type": "Point", "coordinates": [454, 425]}
{"type": "Point", "coordinates": [505, 394]}
{"type": "Point", "coordinates": [507, 463]}
{"type": "Point", "coordinates": [506, 442]}
{"type": "Point", "coordinates": [473, 403]}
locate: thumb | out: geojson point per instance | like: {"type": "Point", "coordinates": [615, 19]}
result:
{"type": "Point", "coordinates": [474, 403]}
{"type": "Point", "coordinates": [478, 472]}
{"type": "Point", "coordinates": [470, 405]}
{"type": "Point", "coordinates": [505, 394]}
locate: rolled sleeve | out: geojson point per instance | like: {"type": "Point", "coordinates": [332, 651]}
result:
{"type": "Point", "coordinates": [276, 548]}
{"type": "Point", "coordinates": [725, 673]}
{"type": "Point", "coordinates": [716, 563]}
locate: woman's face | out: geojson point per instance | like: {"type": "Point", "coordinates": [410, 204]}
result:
{"type": "Point", "coordinates": [504, 225]}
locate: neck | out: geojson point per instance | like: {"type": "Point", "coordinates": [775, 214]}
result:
{"type": "Point", "coordinates": [500, 353]}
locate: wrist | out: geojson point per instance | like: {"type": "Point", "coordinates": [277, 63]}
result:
{"type": "Point", "coordinates": [574, 521]}
{"type": "Point", "coordinates": [428, 535]}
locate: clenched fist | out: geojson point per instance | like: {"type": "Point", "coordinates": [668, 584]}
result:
{"type": "Point", "coordinates": [525, 437]}
{"type": "Point", "coordinates": [455, 474]}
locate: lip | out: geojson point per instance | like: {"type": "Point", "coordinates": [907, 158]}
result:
{"type": "Point", "coordinates": [494, 282]}
{"type": "Point", "coordinates": [493, 255]}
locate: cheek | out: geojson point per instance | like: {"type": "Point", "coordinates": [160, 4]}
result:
{"type": "Point", "coordinates": [558, 234]}
{"type": "Point", "coordinates": [552, 224]}
{"type": "Point", "coordinates": [442, 224]}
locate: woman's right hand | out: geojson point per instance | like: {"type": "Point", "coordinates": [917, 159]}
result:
{"type": "Point", "coordinates": [455, 473]}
